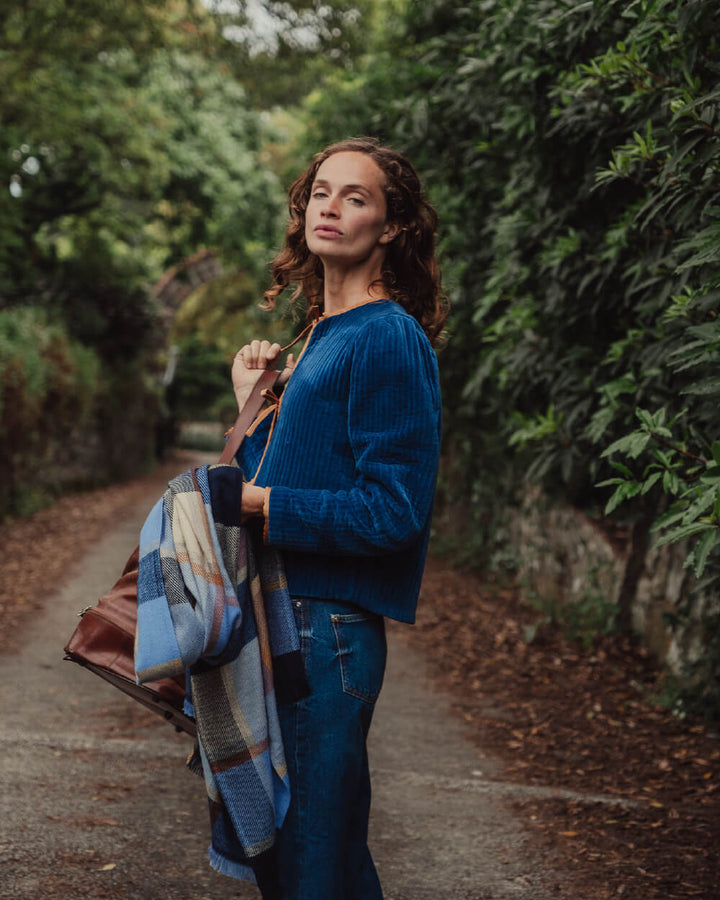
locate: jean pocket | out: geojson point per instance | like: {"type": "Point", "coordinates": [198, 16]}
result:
{"type": "Point", "coordinates": [360, 639]}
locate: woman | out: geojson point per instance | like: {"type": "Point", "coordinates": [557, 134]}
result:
{"type": "Point", "coordinates": [343, 475]}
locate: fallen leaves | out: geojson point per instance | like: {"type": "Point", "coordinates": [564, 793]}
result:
{"type": "Point", "coordinates": [584, 721]}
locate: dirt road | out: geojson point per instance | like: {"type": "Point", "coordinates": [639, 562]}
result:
{"type": "Point", "coordinates": [96, 801]}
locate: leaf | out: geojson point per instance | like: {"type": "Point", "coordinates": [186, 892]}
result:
{"type": "Point", "coordinates": [632, 444]}
{"type": "Point", "coordinates": [663, 458]}
{"type": "Point", "coordinates": [671, 483]}
{"type": "Point", "coordinates": [625, 491]}
{"type": "Point", "coordinates": [698, 558]}
{"type": "Point", "coordinates": [621, 467]}
{"type": "Point", "coordinates": [704, 388]}
{"type": "Point", "coordinates": [615, 500]}
{"type": "Point", "coordinates": [638, 444]}
{"type": "Point", "coordinates": [649, 482]}
{"type": "Point", "coordinates": [695, 509]}
{"type": "Point", "coordinates": [610, 481]}
{"type": "Point", "coordinates": [646, 418]}
{"type": "Point", "coordinates": [706, 247]}
{"type": "Point", "coordinates": [108, 868]}
{"type": "Point", "coordinates": [682, 532]}
{"type": "Point", "coordinates": [670, 517]}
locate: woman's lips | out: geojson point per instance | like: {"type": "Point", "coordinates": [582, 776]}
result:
{"type": "Point", "coordinates": [327, 231]}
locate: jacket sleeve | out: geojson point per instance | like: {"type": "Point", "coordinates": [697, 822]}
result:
{"type": "Point", "coordinates": [394, 435]}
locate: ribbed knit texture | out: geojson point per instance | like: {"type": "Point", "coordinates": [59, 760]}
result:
{"type": "Point", "coordinates": [352, 461]}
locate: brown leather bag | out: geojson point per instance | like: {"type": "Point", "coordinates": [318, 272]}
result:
{"type": "Point", "coordinates": [104, 640]}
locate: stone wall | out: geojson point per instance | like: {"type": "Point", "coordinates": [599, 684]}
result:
{"type": "Point", "coordinates": [565, 558]}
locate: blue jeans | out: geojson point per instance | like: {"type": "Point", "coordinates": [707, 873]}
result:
{"type": "Point", "coordinates": [322, 851]}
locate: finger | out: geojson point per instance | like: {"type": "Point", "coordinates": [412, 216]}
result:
{"type": "Point", "coordinates": [244, 356]}
{"type": "Point", "coordinates": [288, 370]}
{"type": "Point", "coordinates": [268, 353]}
{"type": "Point", "coordinates": [258, 354]}
{"type": "Point", "coordinates": [255, 354]}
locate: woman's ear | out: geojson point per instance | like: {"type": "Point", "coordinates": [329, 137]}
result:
{"type": "Point", "coordinates": [391, 231]}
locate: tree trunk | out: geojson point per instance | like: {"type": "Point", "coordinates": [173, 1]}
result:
{"type": "Point", "coordinates": [639, 539]}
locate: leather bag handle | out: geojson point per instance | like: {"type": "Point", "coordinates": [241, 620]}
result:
{"type": "Point", "coordinates": [254, 403]}
{"type": "Point", "coordinates": [247, 414]}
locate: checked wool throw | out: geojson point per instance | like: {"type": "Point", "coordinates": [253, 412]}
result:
{"type": "Point", "coordinates": [213, 603]}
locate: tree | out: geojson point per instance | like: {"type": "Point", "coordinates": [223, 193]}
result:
{"type": "Point", "coordinates": [134, 153]}
{"type": "Point", "coordinates": [125, 146]}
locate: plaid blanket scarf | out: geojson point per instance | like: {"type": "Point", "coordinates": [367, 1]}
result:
{"type": "Point", "coordinates": [213, 602]}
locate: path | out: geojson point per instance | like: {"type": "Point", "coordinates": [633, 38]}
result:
{"type": "Point", "coordinates": [95, 801]}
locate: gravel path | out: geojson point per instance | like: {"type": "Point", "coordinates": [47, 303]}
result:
{"type": "Point", "coordinates": [96, 802]}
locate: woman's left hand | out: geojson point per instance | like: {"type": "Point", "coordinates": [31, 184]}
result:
{"type": "Point", "coordinates": [252, 500]}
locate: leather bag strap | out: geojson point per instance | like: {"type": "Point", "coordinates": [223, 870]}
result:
{"type": "Point", "coordinates": [247, 414]}
{"type": "Point", "coordinates": [253, 405]}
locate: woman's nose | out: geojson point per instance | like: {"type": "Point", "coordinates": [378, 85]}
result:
{"type": "Point", "coordinates": [331, 207]}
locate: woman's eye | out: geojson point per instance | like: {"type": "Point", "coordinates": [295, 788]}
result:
{"type": "Point", "coordinates": [358, 201]}
{"type": "Point", "coordinates": [318, 195]}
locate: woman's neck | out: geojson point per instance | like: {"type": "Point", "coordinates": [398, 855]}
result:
{"type": "Point", "coordinates": [343, 291]}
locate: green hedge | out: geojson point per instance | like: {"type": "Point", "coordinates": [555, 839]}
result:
{"type": "Point", "coordinates": [64, 420]}
{"type": "Point", "coordinates": [573, 151]}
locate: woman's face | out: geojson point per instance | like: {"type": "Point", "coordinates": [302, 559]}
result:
{"type": "Point", "coordinates": [345, 220]}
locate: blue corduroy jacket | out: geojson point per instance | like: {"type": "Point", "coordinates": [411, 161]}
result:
{"type": "Point", "coordinates": [352, 460]}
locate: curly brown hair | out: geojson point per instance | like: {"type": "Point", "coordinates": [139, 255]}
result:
{"type": "Point", "coordinates": [410, 273]}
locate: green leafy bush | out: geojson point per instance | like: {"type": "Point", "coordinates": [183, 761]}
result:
{"type": "Point", "coordinates": [573, 151]}
{"type": "Point", "coordinates": [48, 385]}
{"type": "Point", "coordinates": [65, 419]}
